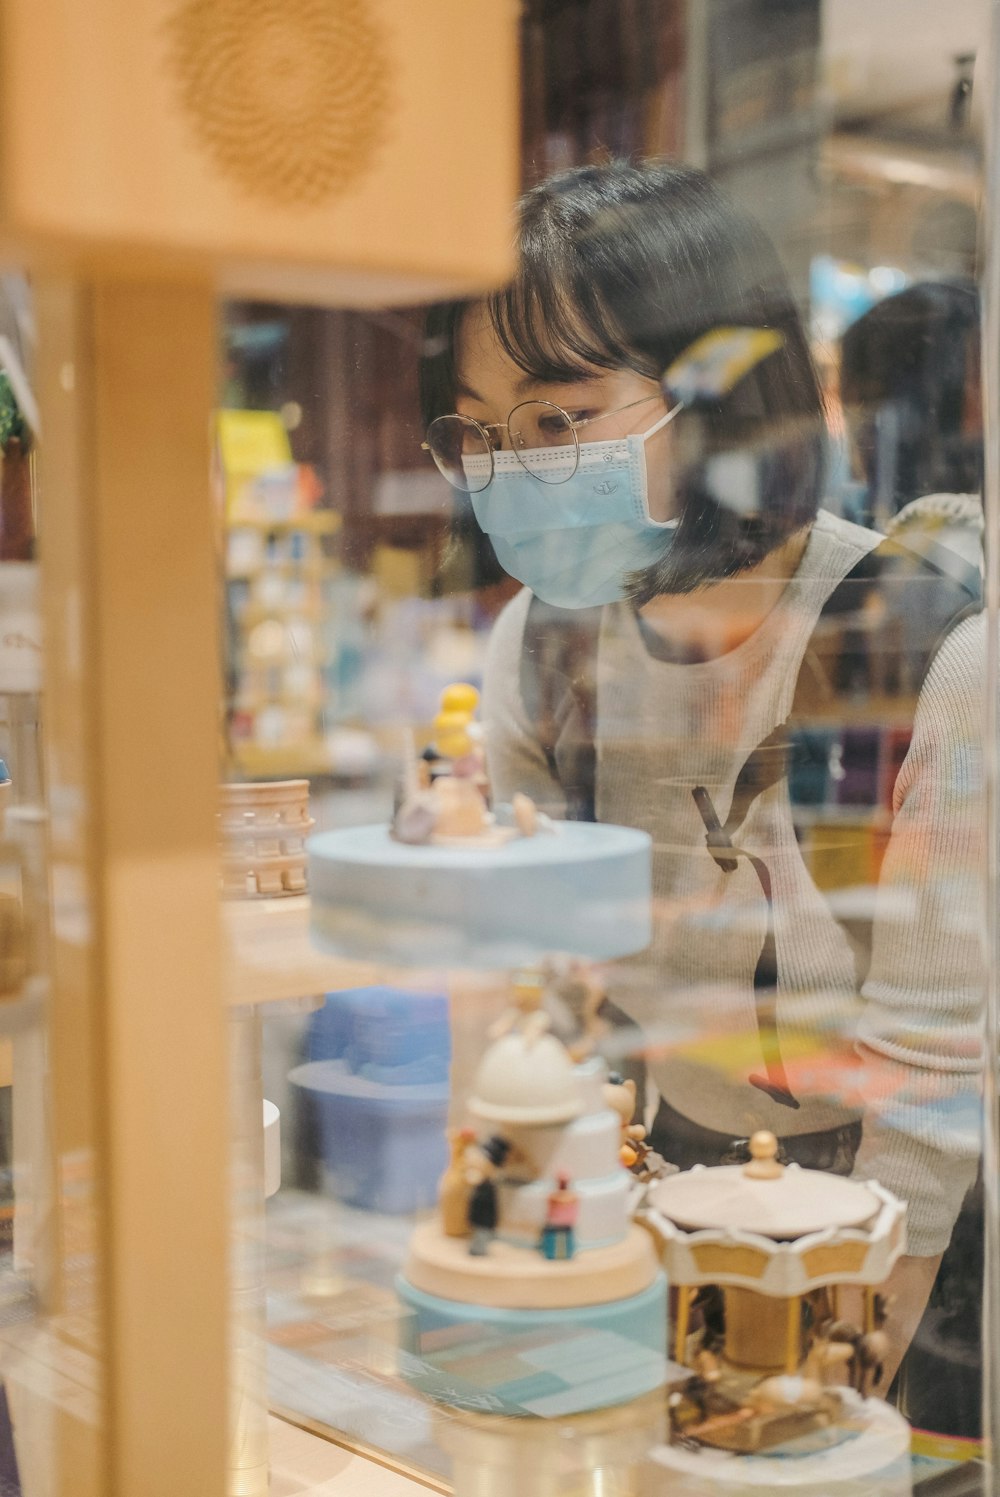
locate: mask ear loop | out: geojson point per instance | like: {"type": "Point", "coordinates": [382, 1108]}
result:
{"type": "Point", "coordinates": [657, 425]}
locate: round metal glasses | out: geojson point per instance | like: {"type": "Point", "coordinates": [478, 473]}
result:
{"type": "Point", "coordinates": [463, 448]}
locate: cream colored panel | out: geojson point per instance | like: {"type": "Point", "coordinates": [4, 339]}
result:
{"type": "Point", "coordinates": [346, 151]}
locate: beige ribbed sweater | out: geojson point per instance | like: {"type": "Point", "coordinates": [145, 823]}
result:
{"type": "Point", "coordinates": [910, 1042]}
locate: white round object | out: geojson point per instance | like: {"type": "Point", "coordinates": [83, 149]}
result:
{"type": "Point", "coordinates": [272, 1149]}
{"type": "Point", "coordinates": [526, 1080]}
{"type": "Point", "coordinates": [585, 1149]}
{"type": "Point", "coordinates": [793, 1204]}
{"type": "Point", "coordinates": [875, 1462]}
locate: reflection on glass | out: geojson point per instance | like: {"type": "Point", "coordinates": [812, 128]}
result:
{"type": "Point", "coordinates": [745, 621]}
{"type": "Point", "coordinates": [50, 1372]}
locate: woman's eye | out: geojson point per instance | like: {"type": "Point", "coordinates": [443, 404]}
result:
{"type": "Point", "coordinates": [554, 424]}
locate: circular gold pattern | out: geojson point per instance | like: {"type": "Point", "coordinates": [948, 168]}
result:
{"type": "Point", "coordinates": [289, 98]}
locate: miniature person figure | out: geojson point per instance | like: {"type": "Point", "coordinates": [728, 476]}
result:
{"type": "Point", "coordinates": [483, 1210]}
{"type": "Point", "coordinates": [454, 1187]}
{"type": "Point", "coordinates": [558, 1241]}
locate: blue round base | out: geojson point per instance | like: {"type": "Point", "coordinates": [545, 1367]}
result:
{"type": "Point", "coordinates": [534, 1362]}
{"type": "Point", "coordinates": [583, 888]}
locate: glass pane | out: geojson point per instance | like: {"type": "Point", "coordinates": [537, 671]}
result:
{"type": "Point", "coordinates": [51, 1360]}
{"type": "Point", "coordinates": [758, 642]}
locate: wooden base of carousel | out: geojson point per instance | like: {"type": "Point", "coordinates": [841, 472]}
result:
{"type": "Point", "coordinates": [865, 1454]}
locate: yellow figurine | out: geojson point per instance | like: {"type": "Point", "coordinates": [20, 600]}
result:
{"type": "Point", "coordinates": [454, 1187]}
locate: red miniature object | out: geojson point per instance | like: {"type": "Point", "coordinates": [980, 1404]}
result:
{"type": "Point", "coordinates": [560, 1219]}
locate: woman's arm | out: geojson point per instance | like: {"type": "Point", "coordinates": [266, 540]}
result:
{"type": "Point", "coordinates": [920, 1035]}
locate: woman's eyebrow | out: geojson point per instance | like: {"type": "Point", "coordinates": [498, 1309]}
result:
{"type": "Point", "coordinates": [529, 382]}
{"type": "Point", "coordinates": [556, 377]}
{"type": "Point", "coordinates": [461, 388]}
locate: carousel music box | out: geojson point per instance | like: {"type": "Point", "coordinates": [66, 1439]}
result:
{"type": "Point", "coordinates": [778, 1380]}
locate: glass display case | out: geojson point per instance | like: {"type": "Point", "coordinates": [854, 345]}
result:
{"type": "Point", "coordinates": [498, 743]}
{"type": "Point", "coordinates": [804, 954]}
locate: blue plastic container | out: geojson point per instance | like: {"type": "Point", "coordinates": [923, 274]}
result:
{"type": "Point", "coordinates": [377, 1076]}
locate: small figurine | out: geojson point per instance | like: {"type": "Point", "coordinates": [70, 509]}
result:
{"type": "Point", "coordinates": [526, 1014]}
{"type": "Point", "coordinates": [460, 810]}
{"type": "Point", "coordinates": [563, 1209]}
{"type": "Point", "coordinates": [866, 1351]}
{"type": "Point", "coordinates": [443, 796]}
{"type": "Point", "coordinates": [454, 1188]}
{"type": "Point", "coordinates": [620, 1097]}
{"type": "Point", "coordinates": [527, 818]}
{"type": "Point", "coordinates": [482, 1211]}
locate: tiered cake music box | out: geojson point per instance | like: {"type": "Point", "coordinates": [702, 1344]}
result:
{"type": "Point", "coordinates": [532, 1291]}
{"type": "Point", "coordinates": [776, 1385]}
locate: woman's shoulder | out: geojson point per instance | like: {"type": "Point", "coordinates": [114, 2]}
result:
{"type": "Point", "coordinates": [504, 649]}
{"type": "Point", "coordinates": [836, 546]}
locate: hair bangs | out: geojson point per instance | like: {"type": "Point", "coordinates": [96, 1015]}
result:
{"type": "Point", "coordinates": [552, 327]}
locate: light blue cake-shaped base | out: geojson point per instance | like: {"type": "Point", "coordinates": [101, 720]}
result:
{"type": "Point", "coordinates": [547, 1363]}
{"type": "Point", "coordinates": [583, 889]}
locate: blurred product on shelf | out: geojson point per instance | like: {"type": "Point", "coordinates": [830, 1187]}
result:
{"type": "Point", "coordinates": [377, 1079]}
{"type": "Point", "coordinates": [263, 828]}
{"type": "Point", "coordinates": [283, 657]}
{"type": "Point", "coordinates": [262, 484]}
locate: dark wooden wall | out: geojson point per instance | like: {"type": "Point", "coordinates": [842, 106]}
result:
{"type": "Point", "coordinates": [600, 78]}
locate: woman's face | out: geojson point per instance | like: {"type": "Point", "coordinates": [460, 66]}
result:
{"type": "Point", "coordinates": [490, 385]}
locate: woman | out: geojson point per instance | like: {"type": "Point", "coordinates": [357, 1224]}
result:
{"type": "Point", "coordinates": [638, 426]}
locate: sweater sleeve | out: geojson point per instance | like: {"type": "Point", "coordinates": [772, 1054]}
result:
{"type": "Point", "coordinates": [920, 1034]}
{"type": "Point", "coordinates": [515, 757]}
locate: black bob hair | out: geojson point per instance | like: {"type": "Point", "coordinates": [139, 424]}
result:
{"type": "Point", "coordinates": [912, 354]}
{"type": "Point", "coordinates": [625, 266]}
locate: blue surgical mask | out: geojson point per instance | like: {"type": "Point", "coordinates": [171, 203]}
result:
{"type": "Point", "coordinates": [573, 543]}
